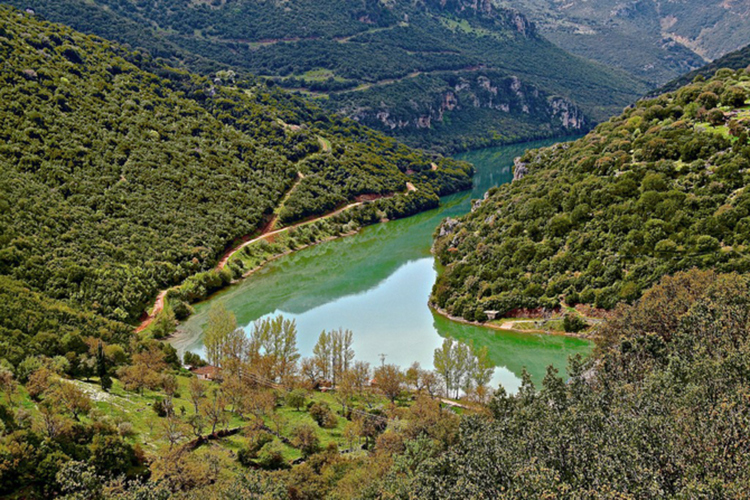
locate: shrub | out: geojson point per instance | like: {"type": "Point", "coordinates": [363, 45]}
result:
{"type": "Point", "coordinates": [708, 100]}
{"type": "Point", "coordinates": [306, 440]}
{"type": "Point", "coordinates": [573, 323]}
{"type": "Point", "coordinates": [323, 416]}
{"type": "Point", "coordinates": [296, 399]}
{"type": "Point", "coordinates": [271, 456]}
{"type": "Point", "coordinates": [716, 117]}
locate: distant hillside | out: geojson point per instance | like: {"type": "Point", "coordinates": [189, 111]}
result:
{"type": "Point", "coordinates": [656, 40]}
{"type": "Point", "coordinates": [447, 75]}
{"type": "Point", "coordinates": [116, 182]}
{"type": "Point", "coordinates": [738, 59]}
{"type": "Point", "coordinates": [659, 189]}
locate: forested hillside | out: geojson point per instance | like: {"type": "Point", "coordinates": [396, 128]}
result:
{"type": "Point", "coordinates": [656, 40]}
{"type": "Point", "coordinates": [662, 414]}
{"type": "Point", "coordinates": [658, 189]}
{"type": "Point", "coordinates": [117, 181]}
{"type": "Point", "coordinates": [739, 59]}
{"type": "Point", "coordinates": [442, 75]}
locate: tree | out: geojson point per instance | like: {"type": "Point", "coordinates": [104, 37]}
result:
{"type": "Point", "coordinates": [213, 409]}
{"type": "Point", "coordinates": [221, 325]}
{"type": "Point", "coordinates": [276, 338]}
{"type": "Point", "coordinates": [102, 370]}
{"type": "Point", "coordinates": [8, 384]}
{"type": "Point", "coordinates": [174, 430]}
{"type": "Point", "coordinates": [334, 353]}
{"type": "Point", "coordinates": [389, 379]}
{"type": "Point", "coordinates": [52, 423]}
{"type": "Point", "coordinates": [345, 389]}
{"type": "Point", "coordinates": [445, 363]}
{"type": "Point", "coordinates": [311, 369]}
{"type": "Point", "coordinates": [194, 360]}
{"type": "Point", "coordinates": [197, 391]}
{"type": "Point", "coordinates": [323, 356]}
{"type": "Point", "coordinates": [483, 368]}
{"type": "Point", "coordinates": [456, 365]}
{"type": "Point", "coordinates": [235, 391]}
{"type": "Point", "coordinates": [305, 439]}
{"type": "Point", "coordinates": [69, 396]}
{"type": "Point", "coordinates": [352, 431]}
{"type": "Point", "coordinates": [169, 386]}
{"type": "Point", "coordinates": [145, 370]}
{"type": "Point", "coordinates": [260, 403]}
{"type": "Point", "coordinates": [361, 372]}
{"type": "Point", "coordinates": [296, 399]}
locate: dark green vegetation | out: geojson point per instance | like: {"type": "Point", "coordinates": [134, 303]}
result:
{"type": "Point", "coordinates": [443, 75]}
{"type": "Point", "coordinates": [658, 189]}
{"type": "Point", "coordinates": [656, 40]}
{"type": "Point", "coordinates": [739, 59]}
{"type": "Point", "coordinates": [120, 177]}
{"type": "Point", "coordinates": [662, 412]}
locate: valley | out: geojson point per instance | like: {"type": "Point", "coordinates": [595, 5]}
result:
{"type": "Point", "coordinates": [237, 262]}
{"type": "Point", "coordinates": [377, 283]}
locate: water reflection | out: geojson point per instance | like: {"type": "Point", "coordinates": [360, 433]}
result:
{"type": "Point", "coordinates": [377, 284]}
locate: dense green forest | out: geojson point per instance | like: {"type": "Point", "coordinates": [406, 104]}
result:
{"type": "Point", "coordinates": [660, 413]}
{"type": "Point", "coordinates": [121, 177]}
{"type": "Point", "coordinates": [442, 75]}
{"type": "Point", "coordinates": [659, 189]}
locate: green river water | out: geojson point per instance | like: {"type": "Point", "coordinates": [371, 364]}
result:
{"type": "Point", "coordinates": [377, 284]}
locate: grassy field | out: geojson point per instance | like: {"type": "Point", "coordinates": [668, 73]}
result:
{"type": "Point", "coordinates": [136, 408]}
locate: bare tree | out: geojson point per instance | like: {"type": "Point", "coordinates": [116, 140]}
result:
{"type": "Point", "coordinates": [277, 340]}
{"type": "Point", "coordinates": [221, 325]}
{"type": "Point", "coordinates": [213, 408]}
{"type": "Point", "coordinates": [197, 390]}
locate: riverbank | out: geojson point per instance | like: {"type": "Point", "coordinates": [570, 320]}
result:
{"type": "Point", "coordinates": [251, 254]}
{"type": "Point", "coordinates": [376, 283]}
{"type": "Point", "coordinates": [584, 335]}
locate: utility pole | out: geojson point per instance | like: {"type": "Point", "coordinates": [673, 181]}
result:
{"type": "Point", "coordinates": [382, 358]}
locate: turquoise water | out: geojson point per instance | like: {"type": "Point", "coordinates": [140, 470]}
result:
{"type": "Point", "coordinates": [377, 284]}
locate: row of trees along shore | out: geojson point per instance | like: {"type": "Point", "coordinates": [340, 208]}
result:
{"type": "Point", "coordinates": [269, 353]}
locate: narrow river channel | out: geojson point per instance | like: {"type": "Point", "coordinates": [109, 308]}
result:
{"type": "Point", "coordinates": [377, 284]}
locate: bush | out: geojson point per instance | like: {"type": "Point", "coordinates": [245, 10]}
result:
{"type": "Point", "coordinates": [125, 429]}
{"type": "Point", "coordinates": [734, 97]}
{"type": "Point", "coordinates": [306, 440]}
{"type": "Point", "coordinates": [716, 117]}
{"type": "Point", "coordinates": [573, 323]}
{"type": "Point", "coordinates": [296, 399]}
{"type": "Point", "coordinates": [160, 408]}
{"type": "Point", "coordinates": [323, 416]}
{"type": "Point", "coordinates": [708, 100]}
{"type": "Point", "coordinates": [271, 456]}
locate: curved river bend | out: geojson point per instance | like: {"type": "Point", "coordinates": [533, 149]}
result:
{"type": "Point", "coordinates": [377, 284]}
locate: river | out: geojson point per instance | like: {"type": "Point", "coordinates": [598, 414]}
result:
{"type": "Point", "coordinates": [377, 284]}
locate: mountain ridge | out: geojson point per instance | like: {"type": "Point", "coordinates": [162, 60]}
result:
{"type": "Point", "coordinates": [369, 59]}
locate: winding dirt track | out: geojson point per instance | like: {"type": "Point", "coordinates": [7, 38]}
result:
{"type": "Point", "coordinates": [266, 232]}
